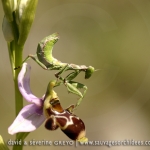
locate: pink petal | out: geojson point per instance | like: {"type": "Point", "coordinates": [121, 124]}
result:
{"type": "Point", "coordinates": [24, 85]}
{"type": "Point", "coordinates": [29, 119]}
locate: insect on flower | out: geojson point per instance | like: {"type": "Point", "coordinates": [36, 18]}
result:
{"type": "Point", "coordinates": [46, 60]}
{"type": "Point", "coordinates": [46, 108]}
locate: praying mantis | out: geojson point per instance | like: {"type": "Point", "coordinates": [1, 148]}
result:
{"type": "Point", "coordinates": [45, 59]}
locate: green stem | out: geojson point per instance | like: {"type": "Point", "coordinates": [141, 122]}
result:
{"type": "Point", "coordinates": [20, 136]}
{"type": "Point", "coordinates": [23, 135]}
{"type": "Point", "coordinates": [18, 147]}
{"type": "Point", "coordinates": [18, 96]}
{"type": "Point", "coordinates": [17, 60]}
{"type": "Point", "coordinates": [11, 56]}
{"type": "Point", "coordinates": [15, 54]}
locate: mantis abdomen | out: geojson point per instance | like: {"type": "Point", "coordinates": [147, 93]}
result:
{"type": "Point", "coordinates": [44, 54]}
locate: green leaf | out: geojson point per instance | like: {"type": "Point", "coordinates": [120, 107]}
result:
{"type": "Point", "coordinates": [3, 146]}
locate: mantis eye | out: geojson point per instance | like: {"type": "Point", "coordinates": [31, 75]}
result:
{"type": "Point", "coordinates": [89, 72]}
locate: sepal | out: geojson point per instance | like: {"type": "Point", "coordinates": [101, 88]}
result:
{"type": "Point", "coordinates": [7, 30]}
{"type": "Point", "coordinates": [9, 7]}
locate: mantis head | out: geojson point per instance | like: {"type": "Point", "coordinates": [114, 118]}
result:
{"type": "Point", "coordinates": [89, 71]}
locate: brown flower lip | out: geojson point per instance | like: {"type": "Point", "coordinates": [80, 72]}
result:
{"type": "Point", "coordinates": [68, 122]}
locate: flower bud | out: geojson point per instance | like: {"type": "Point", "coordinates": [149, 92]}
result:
{"type": "Point", "coordinates": [25, 14]}
{"type": "Point", "coordinates": [8, 7]}
{"type": "Point", "coordinates": [7, 30]}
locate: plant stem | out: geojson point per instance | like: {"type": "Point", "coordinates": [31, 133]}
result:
{"type": "Point", "coordinates": [18, 96]}
{"type": "Point", "coordinates": [17, 60]}
{"type": "Point", "coordinates": [15, 54]}
{"type": "Point", "coordinates": [18, 147]}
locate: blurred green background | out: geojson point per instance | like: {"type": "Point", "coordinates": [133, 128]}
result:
{"type": "Point", "coordinates": [111, 35]}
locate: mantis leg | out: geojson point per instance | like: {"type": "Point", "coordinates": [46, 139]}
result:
{"type": "Point", "coordinates": [70, 109]}
{"type": "Point", "coordinates": [34, 57]}
{"type": "Point", "coordinates": [72, 75]}
{"type": "Point", "coordinates": [69, 77]}
{"type": "Point", "coordinates": [73, 88]}
{"type": "Point", "coordinates": [57, 75]}
{"type": "Point", "coordinates": [79, 86]}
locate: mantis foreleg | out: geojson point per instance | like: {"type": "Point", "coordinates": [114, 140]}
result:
{"type": "Point", "coordinates": [70, 109]}
{"type": "Point", "coordinates": [69, 77]}
{"type": "Point", "coordinates": [73, 88]}
{"type": "Point", "coordinates": [72, 75]}
{"type": "Point", "coordinates": [63, 69]}
{"type": "Point", "coordinates": [34, 57]}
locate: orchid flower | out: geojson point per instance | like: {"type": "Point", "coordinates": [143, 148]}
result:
{"type": "Point", "coordinates": [46, 108]}
{"type": "Point", "coordinates": [31, 116]}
